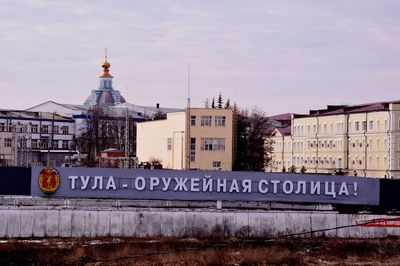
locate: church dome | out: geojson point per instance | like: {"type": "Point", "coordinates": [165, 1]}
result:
{"type": "Point", "coordinates": [105, 99]}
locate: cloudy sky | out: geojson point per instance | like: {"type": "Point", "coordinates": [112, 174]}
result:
{"type": "Point", "coordinates": [282, 56]}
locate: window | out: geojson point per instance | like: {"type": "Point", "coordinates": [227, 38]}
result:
{"type": "Point", "coordinates": [22, 143]}
{"type": "Point", "coordinates": [44, 143]}
{"type": "Point", "coordinates": [206, 120]}
{"type": "Point", "coordinates": [371, 125]}
{"type": "Point", "coordinates": [45, 129]}
{"type": "Point", "coordinates": [55, 144]}
{"type": "Point", "coordinates": [2, 127]}
{"type": "Point", "coordinates": [34, 128]}
{"type": "Point", "coordinates": [56, 129]}
{"type": "Point", "coordinates": [220, 121]}
{"type": "Point", "coordinates": [386, 127]}
{"type": "Point", "coordinates": [65, 144]}
{"type": "Point", "coordinates": [357, 126]}
{"type": "Point", "coordinates": [34, 144]}
{"type": "Point", "coordinates": [169, 144]}
{"type": "Point", "coordinates": [217, 165]}
{"type": "Point", "coordinates": [193, 120]}
{"type": "Point", "coordinates": [377, 125]}
{"type": "Point", "coordinates": [64, 130]}
{"type": "Point", "coordinates": [377, 162]}
{"type": "Point", "coordinates": [192, 149]}
{"type": "Point", "coordinates": [213, 144]}
{"type": "Point", "coordinates": [364, 125]}
{"type": "Point", "coordinates": [7, 142]}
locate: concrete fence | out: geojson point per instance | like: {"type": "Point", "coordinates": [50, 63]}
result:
{"type": "Point", "coordinates": [135, 222]}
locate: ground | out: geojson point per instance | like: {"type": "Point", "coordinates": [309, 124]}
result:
{"type": "Point", "coordinates": [173, 251]}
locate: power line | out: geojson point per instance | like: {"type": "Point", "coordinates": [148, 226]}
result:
{"type": "Point", "coordinates": [248, 241]}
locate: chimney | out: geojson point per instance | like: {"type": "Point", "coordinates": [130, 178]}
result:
{"type": "Point", "coordinates": [157, 105]}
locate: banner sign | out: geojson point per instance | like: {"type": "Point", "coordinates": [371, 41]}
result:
{"type": "Point", "coordinates": [203, 185]}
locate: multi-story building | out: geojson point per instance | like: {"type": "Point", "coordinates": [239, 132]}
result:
{"type": "Point", "coordinates": [198, 138]}
{"type": "Point", "coordinates": [34, 138]}
{"type": "Point", "coordinates": [361, 140]}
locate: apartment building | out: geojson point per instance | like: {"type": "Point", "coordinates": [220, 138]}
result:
{"type": "Point", "coordinates": [197, 138]}
{"type": "Point", "coordinates": [361, 140]}
{"type": "Point", "coordinates": [34, 138]}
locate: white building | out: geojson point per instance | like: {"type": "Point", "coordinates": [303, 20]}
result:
{"type": "Point", "coordinates": [35, 138]}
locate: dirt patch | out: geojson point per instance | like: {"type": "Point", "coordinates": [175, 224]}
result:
{"type": "Point", "coordinates": [173, 251]}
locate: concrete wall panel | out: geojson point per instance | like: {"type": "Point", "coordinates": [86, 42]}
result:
{"type": "Point", "coordinates": [116, 223]}
{"type": "Point", "coordinates": [52, 223]}
{"type": "Point", "coordinates": [39, 222]}
{"type": "Point", "coordinates": [26, 224]}
{"type": "Point", "coordinates": [78, 223]}
{"type": "Point", "coordinates": [13, 223]}
{"type": "Point", "coordinates": [103, 223]}
{"type": "Point", "coordinates": [65, 223]}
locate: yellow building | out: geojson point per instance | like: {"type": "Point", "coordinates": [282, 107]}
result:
{"type": "Point", "coordinates": [361, 140]}
{"type": "Point", "coordinates": [199, 138]}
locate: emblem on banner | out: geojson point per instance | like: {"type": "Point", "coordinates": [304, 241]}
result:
{"type": "Point", "coordinates": [49, 180]}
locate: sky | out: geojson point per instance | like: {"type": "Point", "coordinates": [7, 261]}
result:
{"type": "Point", "coordinates": [281, 56]}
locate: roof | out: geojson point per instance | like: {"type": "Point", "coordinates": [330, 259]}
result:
{"type": "Point", "coordinates": [23, 114]}
{"type": "Point", "coordinates": [286, 131]}
{"type": "Point", "coordinates": [350, 109]}
{"type": "Point", "coordinates": [281, 117]}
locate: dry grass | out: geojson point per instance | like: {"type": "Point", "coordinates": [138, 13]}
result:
{"type": "Point", "coordinates": [169, 251]}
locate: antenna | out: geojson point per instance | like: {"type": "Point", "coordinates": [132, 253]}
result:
{"type": "Point", "coordinates": [188, 123]}
{"type": "Point", "coordinates": [188, 99]}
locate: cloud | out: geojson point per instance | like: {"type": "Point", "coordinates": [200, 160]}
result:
{"type": "Point", "coordinates": [284, 56]}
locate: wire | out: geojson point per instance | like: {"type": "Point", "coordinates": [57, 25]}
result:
{"type": "Point", "coordinates": [248, 241]}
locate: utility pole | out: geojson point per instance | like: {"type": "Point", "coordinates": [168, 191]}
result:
{"type": "Point", "coordinates": [15, 142]}
{"type": "Point", "coordinates": [127, 134]}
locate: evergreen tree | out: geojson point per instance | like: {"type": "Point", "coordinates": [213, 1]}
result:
{"type": "Point", "coordinates": [213, 103]}
{"type": "Point", "coordinates": [227, 104]}
{"type": "Point", "coordinates": [220, 101]}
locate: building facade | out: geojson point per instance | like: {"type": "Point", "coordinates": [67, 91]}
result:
{"type": "Point", "coordinates": [34, 138]}
{"type": "Point", "coordinates": [361, 140]}
{"type": "Point", "coordinates": [198, 138]}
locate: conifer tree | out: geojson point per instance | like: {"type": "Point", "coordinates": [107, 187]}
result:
{"type": "Point", "coordinates": [220, 101]}
{"type": "Point", "coordinates": [213, 103]}
{"type": "Point", "coordinates": [227, 104]}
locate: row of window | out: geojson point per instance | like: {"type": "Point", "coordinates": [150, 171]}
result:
{"type": "Point", "coordinates": [207, 144]}
{"type": "Point", "coordinates": [35, 143]}
{"type": "Point", "coordinates": [206, 121]}
{"type": "Point", "coordinates": [338, 144]}
{"type": "Point", "coordinates": [358, 126]}
{"type": "Point", "coordinates": [34, 128]}
{"type": "Point", "coordinates": [338, 162]}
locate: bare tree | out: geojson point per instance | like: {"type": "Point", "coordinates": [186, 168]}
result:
{"type": "Point", "coordinates": [105, 130]}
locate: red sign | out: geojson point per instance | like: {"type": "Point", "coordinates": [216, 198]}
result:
{"type": "Point", "coordinates": [380, 222]}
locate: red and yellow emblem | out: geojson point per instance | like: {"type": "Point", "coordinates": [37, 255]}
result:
{"type": "Point", "coordinates": [49, 180]}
